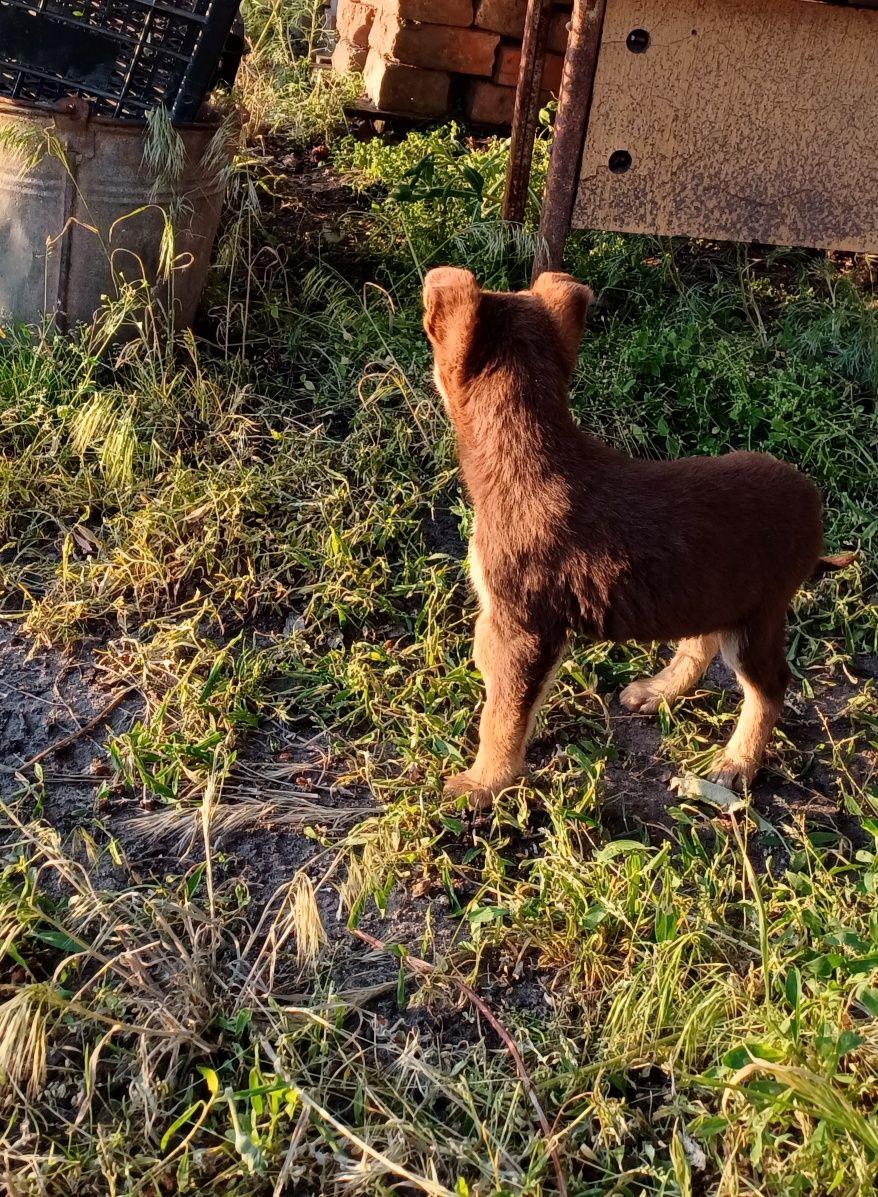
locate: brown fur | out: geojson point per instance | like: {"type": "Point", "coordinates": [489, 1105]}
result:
{"type": "Point", "coordinates": [571, 535]}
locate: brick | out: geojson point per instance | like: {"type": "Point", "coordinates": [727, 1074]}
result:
{"type": "Point", "coordinates": [558, 32]}
{"type": "Point", "coordinates": [464, 51]}
{"type": "Point", "coordinates": [502, 16]}
{"type": "Point", "coordinates": [509, 63]}
{"type": "Point", "coordinates": [489, 103]}
{"type": "Point", "coordinates": [348, 59]}
{"type": "Point", "coordinates": [507, 17]}
{"type": "Point", "coordinates": [433, 12]}
{"type": "Point", "coordinates": [353, 22]}
{"type": "Point", "coordinates": [394, 87]}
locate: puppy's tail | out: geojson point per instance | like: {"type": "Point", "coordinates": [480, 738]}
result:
{"type": "Point", "coordinates": [826, 565]}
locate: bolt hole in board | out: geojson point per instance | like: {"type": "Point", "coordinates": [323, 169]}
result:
{"type": "Point", "coordinates": [747, 121]}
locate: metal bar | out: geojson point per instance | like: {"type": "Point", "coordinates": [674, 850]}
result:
{"type": "Point", "coordinates": [571, 126]}
{"type": "Point", "coordinates": [71, 195]}
{"type": "Point", "coordinates": [134, 62]}
{"type": "Point", "coordinates": [527, 108]}
{"type": "Point", "coordinates": [158, 6]}
{"type": "Point", "coordinates": [205, 59]}
{"type": "Point", "coordinates": [43, 77]}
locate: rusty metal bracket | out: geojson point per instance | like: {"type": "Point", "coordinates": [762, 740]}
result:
{"type": "Point", "coordinates": [527, 109]}
{"type": "Point", "coordinates": [571, 125]}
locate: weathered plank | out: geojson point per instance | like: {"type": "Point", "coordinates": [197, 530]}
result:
{"type": "Point", "coordinates": [743, 121]}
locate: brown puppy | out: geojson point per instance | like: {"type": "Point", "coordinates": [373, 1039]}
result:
{"type": "Point", "coordinates": [571, 535]}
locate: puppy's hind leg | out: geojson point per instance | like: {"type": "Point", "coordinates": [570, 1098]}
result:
{"type": "Point", "coordinates": [518, 665]}
{"type": "Point", "coordinates": [686, 670]}
{"type": "Point", "coordinates": [756, 653]}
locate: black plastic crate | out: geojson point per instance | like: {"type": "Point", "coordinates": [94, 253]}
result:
{"type": "Point", "coordinates": [124, 56]}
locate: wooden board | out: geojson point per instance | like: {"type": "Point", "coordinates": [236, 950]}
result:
{"type": "Point", "coordinates": [745, 120]}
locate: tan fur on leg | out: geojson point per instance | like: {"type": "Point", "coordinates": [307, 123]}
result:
{"type": "Point", "coordinates": [686, 670]}
{"type": "Point", "coordinates": [743, 754]}
{"type": "Point", "coordinates": [518, 667]}
{"type": "Point", "coordinates": [477, 577]}
{"type": "Point", "coordinates": [757, 657]}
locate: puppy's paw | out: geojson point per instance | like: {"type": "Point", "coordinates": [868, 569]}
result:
{"type": "Point", "coordinates": [481, 796]}
{"type": "Point", "coordinates": [644, 697]}
{"type": "Point", "coordinates": [732, 773]}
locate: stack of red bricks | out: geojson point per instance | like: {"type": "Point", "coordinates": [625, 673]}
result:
{"type": "Point", "coordinates": [435, 57]}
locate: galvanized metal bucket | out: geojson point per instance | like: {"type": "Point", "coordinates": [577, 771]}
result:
{"type": "Point", "coordinates": [83, 218]}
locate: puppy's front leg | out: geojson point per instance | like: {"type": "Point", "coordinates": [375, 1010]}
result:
{"type": "Point", "coordinates": [517, 664]}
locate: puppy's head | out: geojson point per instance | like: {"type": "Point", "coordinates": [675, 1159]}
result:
{"type": "Point", "coordinates": [501, 337]}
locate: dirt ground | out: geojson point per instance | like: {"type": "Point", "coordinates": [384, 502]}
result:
{"type": "Point", "coordinates": [637, 790]}
{"type": "Point", "coordinates": [47, 695]}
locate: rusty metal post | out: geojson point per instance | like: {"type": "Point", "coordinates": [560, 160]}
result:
{"type": "Point", "coordinates": [571, 125]}
{"type": "Point", "coordinates": [527, 109]}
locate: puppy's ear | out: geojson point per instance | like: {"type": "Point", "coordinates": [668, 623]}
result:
{"type": "Point", "coordinates": [569, 302]}
{"type": "Point", "coordinates": [450, 297]}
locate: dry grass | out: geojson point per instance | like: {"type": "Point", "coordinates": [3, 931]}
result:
{"type": "Point", "coordinates": [264, 535]}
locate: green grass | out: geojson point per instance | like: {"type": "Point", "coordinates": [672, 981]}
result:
{"type": "Point", "coordinates": [260, 535]}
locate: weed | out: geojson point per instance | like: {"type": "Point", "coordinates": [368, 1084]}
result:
{"type": "Point", "coordinates": [281, 94]}
{"type": "Point", "coordinates": [441, 202]}
{"type": "Point", "coordinates": [265, 538]}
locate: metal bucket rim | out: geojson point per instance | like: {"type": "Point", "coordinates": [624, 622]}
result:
{"type": "Point", "coordinates": [25, 108]}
